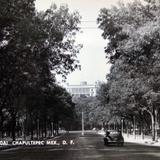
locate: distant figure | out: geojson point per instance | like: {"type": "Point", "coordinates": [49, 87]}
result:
{"type": "Point", "coordinates": [108, 135]}
{"type": "Point", "coordinates": [120, 132]}
{"type": "Point", "coordinates": [119, 135]}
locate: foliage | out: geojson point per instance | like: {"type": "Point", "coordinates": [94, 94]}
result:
{"type": "Point", "coordinates": [102, 93]}
{"type": "Point", "coordinates": [133, 49]}
{"type": "Point", "coordinates": [34, 47]}
{"type": "Point", "coordinates": [95, 113]}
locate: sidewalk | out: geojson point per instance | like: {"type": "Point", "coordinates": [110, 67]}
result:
{"type": "Point", "coordinates": [138, 139]}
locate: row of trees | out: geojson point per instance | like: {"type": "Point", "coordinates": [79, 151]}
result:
{"type": "Point", "coordinates": [94, 112]}
{"type": "Point", "coordinates": [133, 84]}
{"type": "Point", "coordinates": [34, 47]}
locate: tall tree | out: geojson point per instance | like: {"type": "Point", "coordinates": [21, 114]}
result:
{"type": "Point", "coordinates": [133, 33]}
{"type": "Point", "coordinates": [33, 48]}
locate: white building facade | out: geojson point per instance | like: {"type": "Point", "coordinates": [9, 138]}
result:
{"type": "Point", "coordinates": [83, 89]}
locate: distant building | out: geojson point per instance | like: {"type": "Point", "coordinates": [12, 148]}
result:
{"type": "Point", "coordinates": [83, 89]}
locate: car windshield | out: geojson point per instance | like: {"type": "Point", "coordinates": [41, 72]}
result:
{"type": "Point", "coordinates": [114, 134]}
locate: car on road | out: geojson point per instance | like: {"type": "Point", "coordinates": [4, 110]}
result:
{"type": "Point", "coordinates": [113, 138]}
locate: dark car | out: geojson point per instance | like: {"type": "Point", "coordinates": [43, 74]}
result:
{"type": "Point", "coordinates": [113, 137]}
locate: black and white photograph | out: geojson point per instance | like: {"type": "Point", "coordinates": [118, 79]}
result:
{"type": "Point", "coordinates": [79, 79]}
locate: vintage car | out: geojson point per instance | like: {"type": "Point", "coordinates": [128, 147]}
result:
{"type": "Point", "coordinates": [113, 138]}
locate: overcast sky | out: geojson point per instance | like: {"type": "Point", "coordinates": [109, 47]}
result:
{"type": "Point", "coordinates": [94, 66]}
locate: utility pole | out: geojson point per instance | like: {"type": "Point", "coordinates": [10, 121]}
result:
{"type": "Point", "coordinates": [82, 124]}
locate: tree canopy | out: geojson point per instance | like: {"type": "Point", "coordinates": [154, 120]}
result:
{"type": "Point", "coordinates": [34, 47]}
{"type": "Point", "coordinates": [133, 49]}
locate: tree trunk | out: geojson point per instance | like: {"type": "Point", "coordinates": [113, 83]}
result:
{"type": "Point", "coordinates": [156, 123]}
{"type": "Point", "coordinates": [142, 124]}
{"type": "Point", "coordinates": [31, 129]}
{"type": "Point", "coordinates": [45, 128]}
{"type": "Point", "coordinates": [153, 133]}
{"type": "Point", "coordinates": [38, 129]}
{"type": "Point", "coordinates": [57, 128]}
{"type": "Point", "coordinates": [13, 126]}
{"type": "Point", "coordinates": [51, 129]}
{"type": "Point", "coordinates": [1, 123]}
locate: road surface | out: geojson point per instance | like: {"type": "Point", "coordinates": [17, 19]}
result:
{"type": "Point", "coordinates": [88, 147]}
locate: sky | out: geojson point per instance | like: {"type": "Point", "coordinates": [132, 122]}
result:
{"type": "Point", "coordinates": [92, 59]}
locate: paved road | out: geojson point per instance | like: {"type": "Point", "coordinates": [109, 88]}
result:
{"type": "Point", "coordinates": [89, 147]}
